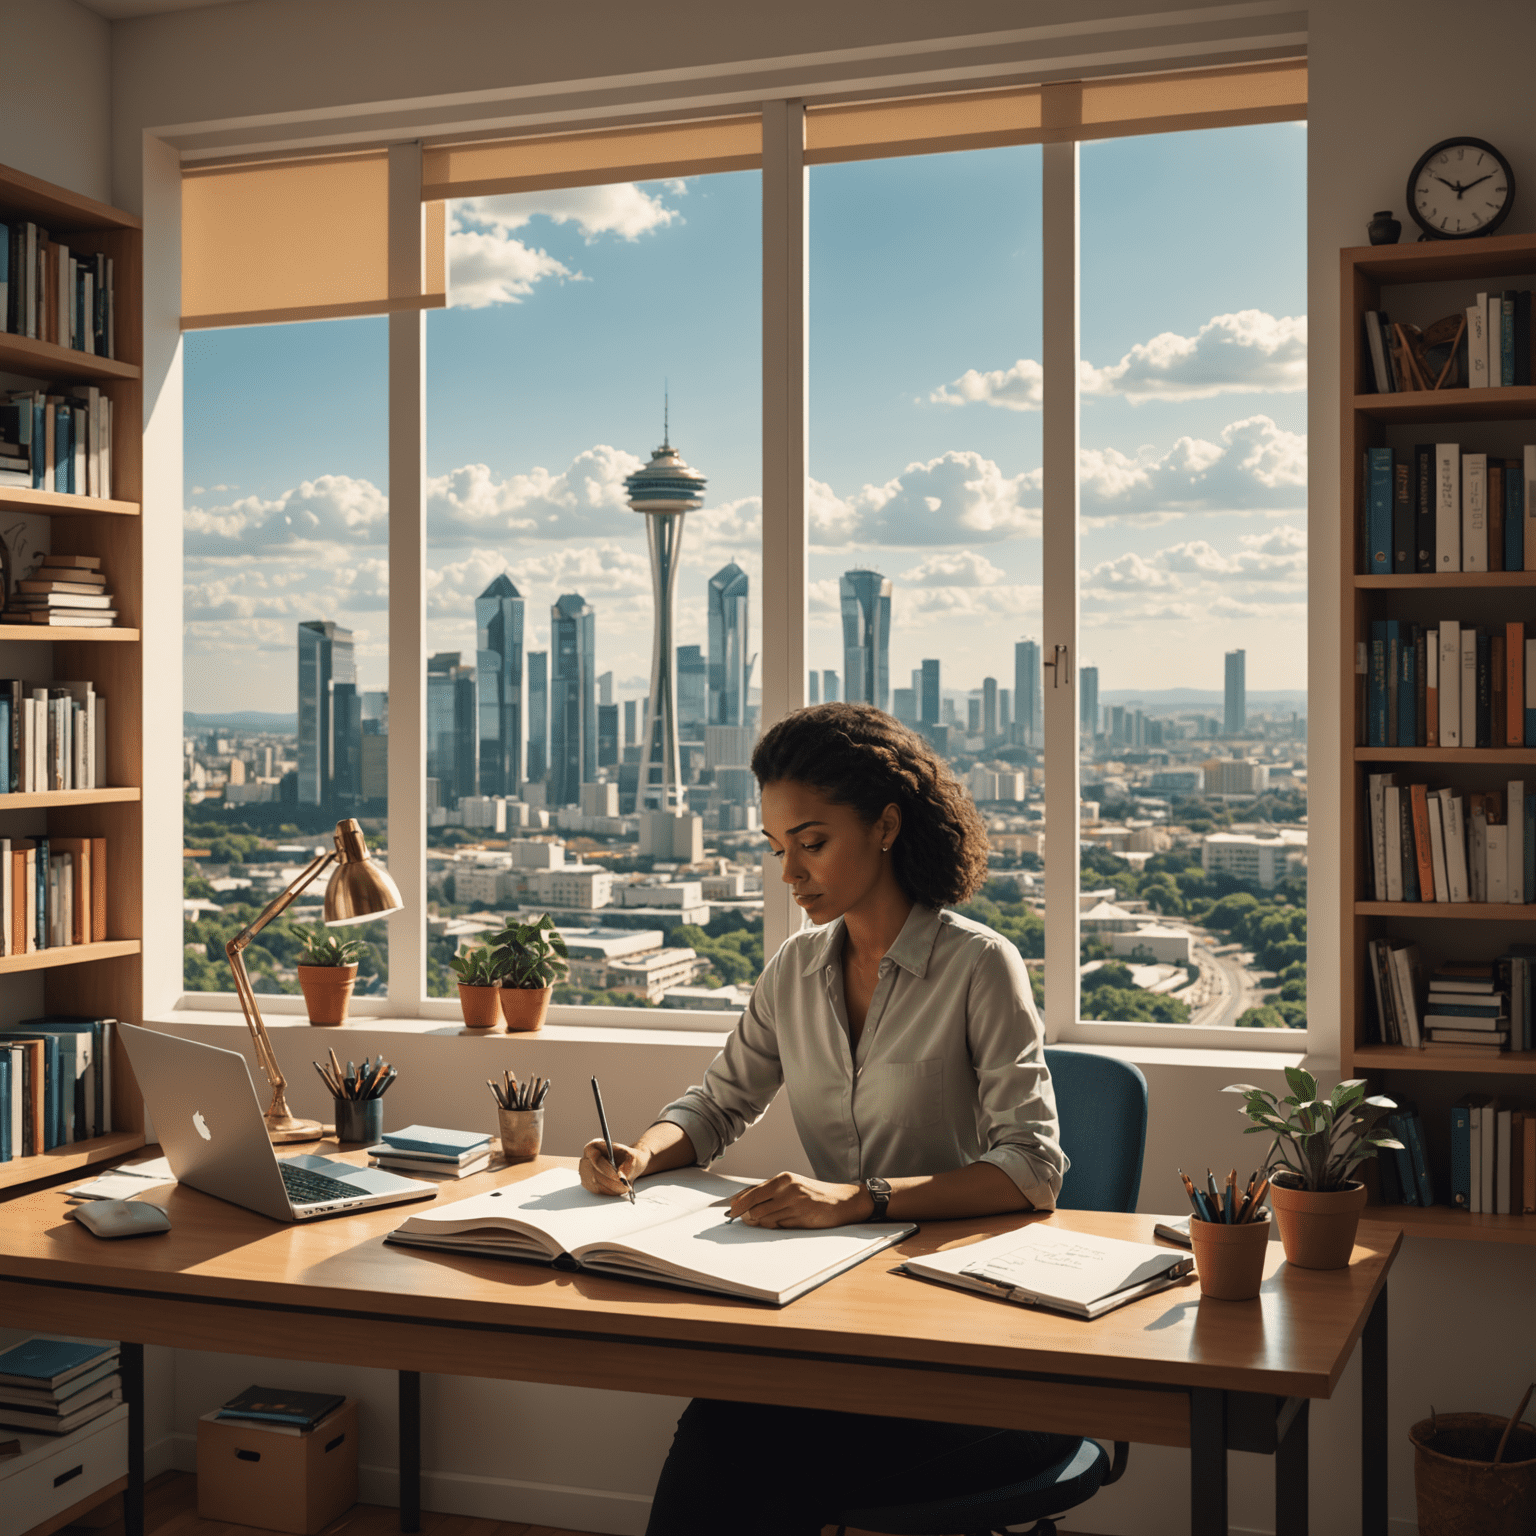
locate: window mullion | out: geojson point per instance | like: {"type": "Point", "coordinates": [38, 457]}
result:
{"type": "Point", "coordinates": [1059, 573]}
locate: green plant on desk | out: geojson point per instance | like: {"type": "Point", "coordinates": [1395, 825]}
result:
{"type": "Point", "coordinates": [476, 967]}
{"type": "Point", "coordinates": [1318, 1142]}
{"type": "Point", "coordinates": [321, 946]}
{"type": "Point", "coordinates": [530, 955]}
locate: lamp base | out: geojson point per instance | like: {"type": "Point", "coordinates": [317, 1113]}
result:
{"type": "Point", "coordinates": [283, 1128]}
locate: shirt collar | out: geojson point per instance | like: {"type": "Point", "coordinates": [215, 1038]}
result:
{"type": "Point", "coordinates": [912, 949]}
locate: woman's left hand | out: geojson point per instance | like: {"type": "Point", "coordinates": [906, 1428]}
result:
{"type": "Point", "coordinates": [791, 1200]}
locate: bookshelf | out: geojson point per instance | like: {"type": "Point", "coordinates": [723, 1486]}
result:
{"type": "Point", "coordinates": [100, 979]}
{"type": "Point", "coordinates": [1420, 283]}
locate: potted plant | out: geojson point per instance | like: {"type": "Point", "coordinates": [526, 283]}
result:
{"type": "Point", "coordinates": [530, 958]}
{"type": "Point", "coordinates": [327, 972]}
{"type": "Point", "coordinates": [479, 987]}
{"type": "Point", "coordinates": [1318, 1144]}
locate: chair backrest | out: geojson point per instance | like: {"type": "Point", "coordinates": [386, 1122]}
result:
{"type": "Point", "coordinates": [1102, 1106]}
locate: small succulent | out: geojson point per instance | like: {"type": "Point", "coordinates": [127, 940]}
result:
{"type": "Point", "coordinates": [1317, 1142]}
{"type": "Point", "coordinates": [324, 947]}
{"type": "Point", "coordinates": [476, 967]}
{"type": "Point", "coordinates": [530, 955]}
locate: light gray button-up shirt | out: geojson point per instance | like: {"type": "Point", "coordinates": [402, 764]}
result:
{"type": "Point", "coordinates": [949, 1069]}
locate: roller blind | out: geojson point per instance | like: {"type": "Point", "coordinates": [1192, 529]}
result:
{"type": "Point", "coordinates": [272, 241]}
{"type": "Point", "coordinates": [1089, 109]}
{"type": "Point", "coordinates": [488, 167]}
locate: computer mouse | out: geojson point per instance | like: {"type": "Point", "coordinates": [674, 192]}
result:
{"type": "Point", "coordinates": [121, 1218]}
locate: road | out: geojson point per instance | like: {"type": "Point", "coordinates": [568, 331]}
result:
{"type": "Point", "coordinates": [1234, 988]}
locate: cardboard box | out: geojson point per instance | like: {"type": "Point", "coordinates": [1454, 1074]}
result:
{"type": "Point", "coordinates": [250, 1475]}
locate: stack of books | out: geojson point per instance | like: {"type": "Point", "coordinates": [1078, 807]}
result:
{"type": "Point", "coordinates": [55, 1084]}
{"type": "Point", "coordinates": [51, 293]}
{"type": "Point", "coordinates": [53, 893]}
{"type": "Point", "coordinates": [276, 1408]}
{"type": "Point", "coordinates": [431, 1149]}
{"type": "Point", "coordinates": [52, 1386]}
{"type": "Point", "coordinates": [1405, 1178]}
{"type": "Point", "coordinates": [1493, 1157]}
{"type": "Point", "coordinates": [52, 736]}
{"type": "Point", "coordinates": [65, 589]}
{"type": "Point", "coordinates": [57, 441]}
{"type": "Point", "coordinates": [1467, 1010]}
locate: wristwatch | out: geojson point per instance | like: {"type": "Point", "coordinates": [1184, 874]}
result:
{"type": "Point", "coordinates": [880, 1193]}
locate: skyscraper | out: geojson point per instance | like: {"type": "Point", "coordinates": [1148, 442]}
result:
{"type": "Point", "coordinates": [499, 686]}
{"type": "Point", "coordinates": [693, 673]}
{"type": "Point", "coordinates": [538, 715]}
{"type": "Point", "coordinates": [1027, 703]}
{"type": "Point", "coordinates": [664, 492]}
{"type": "Point", "coordinates": [325, 659]}
{"type": "Point", "coordinates": [452, 747]}
{"type": "Point", "coordinates": [813, 688]}
{"type": "Point", "coordinates": [928, 705]}
{"type": "Point", "coordinates": [989, 709]}
{"type": "Point", "coordinates": [866, 597]}
{"type": "Point", "coordinates": [572, 699]}
{"type": "Point", "coordinates": [829, 693]}
{"type": "Point", "coordinates": [607, 735]}
{"type": "Point", "coordinates": [729, 669]}
{"type": "Point", "coordinates": [1236, 719]}
{"type": "Point", "coordinates": [1088, 701]}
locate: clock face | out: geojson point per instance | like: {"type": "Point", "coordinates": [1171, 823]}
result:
{"type": "Point", "coordinates": [1461, 188]}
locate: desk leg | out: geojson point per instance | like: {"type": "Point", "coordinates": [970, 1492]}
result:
{"type": "Point", "coordinates": [1373, 1420]}
{"type": "Point", "coordinates": [1291, 1485]}
{"type": "Point", "coordinates": [1207, 1462]}
{"type": "Point", "coordinates": [131, 1367]}
{"type": "Point", "coordinates": [410, 1451]}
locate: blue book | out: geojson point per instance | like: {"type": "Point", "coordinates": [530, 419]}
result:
{"type": "Point", "coordinates": [1461, 1153]}
{"type": "Point", "coordinates": [6, 1150]}
{"type": "Point", "coordinates": [1386, 1171]}
{"type": "Point", "coordinates": [1379, 511]}
{"type": "Point", "coordinates": [1402, 1159]}
{"type": "Point", "coordinates": [1407, 692]}
{"type": "Point", "coordinates": [1394, 663]}
{"type": "Point", "coordinates": [1507, 337]}
{"type": "Point", "coordinates": [1418, 1156]}
{"type": "Point", "coordinates": [41, 844]}
{"type": "Point", "coordinates": [1438, 1004]}
{"type": "Point", "coordinates": [1514, 516]}
{"type": "Point", "coordinates": [432, 1138]}
{"type": "Point", "coordinates": [93, 1117]}
{"type": "Point", "coordinates": [53, 1078]}
{"type": "Point", "coordinates": [5, 744]}
{"type": "Point", "coordinates": [48, 1362]}
{"type": "Point", "coordinates": [39, 444]}
{"type": "Point", "coordinates": [63, 449]}
{"type": "Point", "coordinates": [1376, 686]}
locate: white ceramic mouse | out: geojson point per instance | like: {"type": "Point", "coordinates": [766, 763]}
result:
{"type": "Point", "coordinates": [121, 1218]}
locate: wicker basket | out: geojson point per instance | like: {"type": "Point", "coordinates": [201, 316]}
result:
{"type": "Point", "coordinates": [1460, 1491]}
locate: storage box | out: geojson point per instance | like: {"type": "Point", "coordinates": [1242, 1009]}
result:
{"type": "Point", "coordinates": [56, 1472]}
{"type": "Point", "coordinates": [248, 1474]}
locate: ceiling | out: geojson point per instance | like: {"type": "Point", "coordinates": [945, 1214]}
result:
{"type": "Point", "coordinates": [126, 10]}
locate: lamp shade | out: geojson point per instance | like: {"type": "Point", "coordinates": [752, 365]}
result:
{"type": "Point", "coordinates": [359, 889]}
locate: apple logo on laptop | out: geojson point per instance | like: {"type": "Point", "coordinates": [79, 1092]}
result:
{"type": "Point", "coordinates": [201, 1125]}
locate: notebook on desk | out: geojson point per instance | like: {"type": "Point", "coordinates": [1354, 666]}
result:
{"type": "Point", "coordinates": [675, 1233]}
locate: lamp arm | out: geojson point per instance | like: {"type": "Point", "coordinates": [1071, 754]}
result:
{"type": "Point", "coordinates": [234, 950]}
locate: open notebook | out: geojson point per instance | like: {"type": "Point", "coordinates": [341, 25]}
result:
{"type": "Point", "coordinates": [676, 1232]}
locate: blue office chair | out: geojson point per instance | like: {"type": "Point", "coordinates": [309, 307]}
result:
{"type": "Point", "coordinates": [1102, 1105]}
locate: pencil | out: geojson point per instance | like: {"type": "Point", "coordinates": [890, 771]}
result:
{"type": "Point", "coordinates": [1258, 1199]}
{"type": "Point", "coordinates": [1231, 1211]}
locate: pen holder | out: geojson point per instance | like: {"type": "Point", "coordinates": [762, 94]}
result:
{"type": "Point", "coordinates": [359, 1119]}
{"type": "Point", "coordinates": [522, 1133]}
{"type": "Point", "coordinates": [1229, 1260]}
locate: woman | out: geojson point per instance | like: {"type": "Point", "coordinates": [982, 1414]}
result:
{"type": "Point", "coordinates": [907, 1039]}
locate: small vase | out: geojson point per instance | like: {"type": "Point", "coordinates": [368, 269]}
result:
{"type": "Point", "coordinates": [327, 991]}
{"type": "Point", "coordinates": [524, 1007]}
{"type": "Point", "coordinates": [1383, 228]}
{"type": "Point", "coordinates": [1317, 1226]}
{"type": "Point", "coordinates": [522, 1133]}
{"type": "Point", "coordinates": [359, 1120]}
{"type": "Point", "coordinates": [1229, 1259]}
{"type": "Point", "coordinates": [481, 1006]}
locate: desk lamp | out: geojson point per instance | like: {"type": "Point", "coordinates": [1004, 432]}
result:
{"type": "Point", "coordinates": [359, 890]}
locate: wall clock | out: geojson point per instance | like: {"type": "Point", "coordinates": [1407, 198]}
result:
{"type": "Point", "coordinates": [1460, 188]}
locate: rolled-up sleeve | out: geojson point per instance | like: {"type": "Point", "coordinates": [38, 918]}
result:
{"type": "Point", "coordinates": [740, 1083]}
{"type": "Point", "coordinates": [1016, 1103]}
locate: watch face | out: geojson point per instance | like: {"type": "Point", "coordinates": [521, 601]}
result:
{"type": "Point", "coordinates": [1460, 188]}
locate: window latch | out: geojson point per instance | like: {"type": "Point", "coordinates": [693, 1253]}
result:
{"type": "Point", "coordinates": [1060, 667]}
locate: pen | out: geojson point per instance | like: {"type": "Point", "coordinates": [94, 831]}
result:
{"type": "Point", "coordinates": [1215, 1198]}
{"type": "Point", "coordinates": [1258, 1199]}
{"type": "Point", "coordinates": [1231, 1211]}
{"type": "Point", "coordinates": [602, 1120]}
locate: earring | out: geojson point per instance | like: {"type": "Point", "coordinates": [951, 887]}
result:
{"type": "Point", "coordinates": [885, 847]}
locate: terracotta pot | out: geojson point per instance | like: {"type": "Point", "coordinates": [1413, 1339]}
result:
{"type": "Point", "coordinates": [1317, 1227]}
{"type": "Point", "coordinates": [481, 1006]}
{"type": "Point", "coordinates": [522, 1133]}
{"type": "Point", "coordinates": [1460, 1491]}
{"type": "Point", "coordinates": [1229, 1260]}
{"type": "Point", "coordinates": [524, 1007]}
{"type": "Point", "coordinates": [327, 991]}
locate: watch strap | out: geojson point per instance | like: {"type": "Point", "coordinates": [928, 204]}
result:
{"type": "Point", "coordinates": [880, 1193]}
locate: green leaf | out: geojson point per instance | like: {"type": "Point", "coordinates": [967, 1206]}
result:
{"type": "Point", "coordinates": [1302, 1084]}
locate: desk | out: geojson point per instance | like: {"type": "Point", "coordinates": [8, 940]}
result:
{"type": "Point", "coordinates": [1170, 1369]}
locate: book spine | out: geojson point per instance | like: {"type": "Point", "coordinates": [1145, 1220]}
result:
{"type": "Point", "coordinates": [1419, 799]}
{"type": "Point", "coordinates": [1404, 550]}
{"type": "Point", "coordinates": [1448, 505]}
{"type": "Point", "coordinates": [1402, 1159]}
{"type": "Point", "coordinates": [1394, 667]}
{"type": "Point", "coordinates": [1433, 809]}
{"type": "Point", "coordinates": [1515, 836]}
{"type": "Point", "coordinates": [1379, 461]}
{"type": "Point", "coordinates": [1498, 677]}
{"type": "Point", "coordinates": [1450, 683]}
{"type": "Point", "coordinates": [1528, 1184]}
{"type": "Point", "coordinates": [1514, 684]}
{"type": "Point", "coordinates": [1484, 657]}
{"type": "Point", "coordinates": [1432, 688]}
{"type": "Point", "coordinates": [1528, 480]}
{"type": "Point", "coordinates": [1424, 508]}
{"type": "Point", "coordinates": [1405, 846]}
{"type": "Point", "coordinates": [1376, 348]}
{"type": "Point", "coordinates": [1420, 1159]}
{"type": "Point", "coordinates": [1514, 515]}
{"type": "Point", "coordinates": [1477, 343]}
{"type": "Point", "coordinates": [1474, 511]}
{"type": "Point", "coordinates": [1468, 688]}
{"type": "Point", "coordinates": [1507, 338]}
{"type": "Point", "coordinates": [1394, 826]}
{"type": "Point", "coordinates": [1523, 336]}
{"type": "Point", "coordinates": [1407, 713]}
{"type": "Point", "coordinates": [1376, 692]}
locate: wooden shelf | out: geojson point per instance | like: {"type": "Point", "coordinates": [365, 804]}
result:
{"type": "Point", "coordinates": [45, 359]}
{"type": "Point", "coordinates": [1443, 261]}
{"type": "Point", "coordinates": [1465, 911]}
{"type": "Point", "coordinates": [1471, 755]}
{"type": "Point", "coordinates": [1516, 402]}
{"type": "Point", "coordinates": [1448, 582]}
{"type": "Point", "coordinates": [1403, 1058]}
{"type": "Point", "coordinates": [57, 207]}
{"type": "Point", "coordinates": [1461, 1226]}
{"type": "Point", "coordinates": [77, 1154]}
{"type": "Point", "coordinates": [19, 499]}
{"type": "Point", "coordinates": [47, 632]}
{"type": "Point", "coordinates": [68, 954]}
{"type": "Point", "coordinates": [44, 799]}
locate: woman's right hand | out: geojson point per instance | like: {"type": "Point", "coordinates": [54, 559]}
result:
{"type": "Point", "coordinates": [597, 1173]}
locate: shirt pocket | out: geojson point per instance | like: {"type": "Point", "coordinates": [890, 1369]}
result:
{"type": "Point", "coordinates": [906, 1093]}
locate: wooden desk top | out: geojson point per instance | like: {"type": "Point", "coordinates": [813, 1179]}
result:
{"type": "Point", "coordinates": [1293, 1341]}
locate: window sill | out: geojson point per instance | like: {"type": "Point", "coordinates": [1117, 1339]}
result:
{"type": "Point", "coordinates": [1227, 1058]}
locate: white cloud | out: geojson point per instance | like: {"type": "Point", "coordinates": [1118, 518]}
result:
{"type": "Point", "coordinates": [489, 267]}
{"type": "Point", "coordinates": [1250, 352]}
{"type": "Point", "coordinates": [963, 568]}
{"type": "Point", "coordinates": [332, 509]}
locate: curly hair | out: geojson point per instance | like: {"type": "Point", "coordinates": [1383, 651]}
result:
{"type": "Point", "coordinates": [861, 757]}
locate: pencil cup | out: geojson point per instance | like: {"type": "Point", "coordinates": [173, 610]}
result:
{"type": "Point", "coordinates": [359, 1119]}
{"type": "Point", "coordinates": [522, 1133]}
{"type": "Point", "coordinates": [1229, 1260]}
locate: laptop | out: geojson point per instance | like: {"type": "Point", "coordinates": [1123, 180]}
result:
{"type": "Point", "coordinates": [209, 1122]}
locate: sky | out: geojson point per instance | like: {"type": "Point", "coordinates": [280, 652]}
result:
{"type": "Point", "coordinates": [571, 311]}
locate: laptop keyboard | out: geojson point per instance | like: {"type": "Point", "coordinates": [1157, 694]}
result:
{"type": "Point", "coordinates": [306, 1187]}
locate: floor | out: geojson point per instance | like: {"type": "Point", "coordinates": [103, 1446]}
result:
{"type": "Point", "coordinates": [170, 1509]}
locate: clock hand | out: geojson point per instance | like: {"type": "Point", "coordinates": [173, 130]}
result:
{"type": "Point", "coordinates": [1480, 180]}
